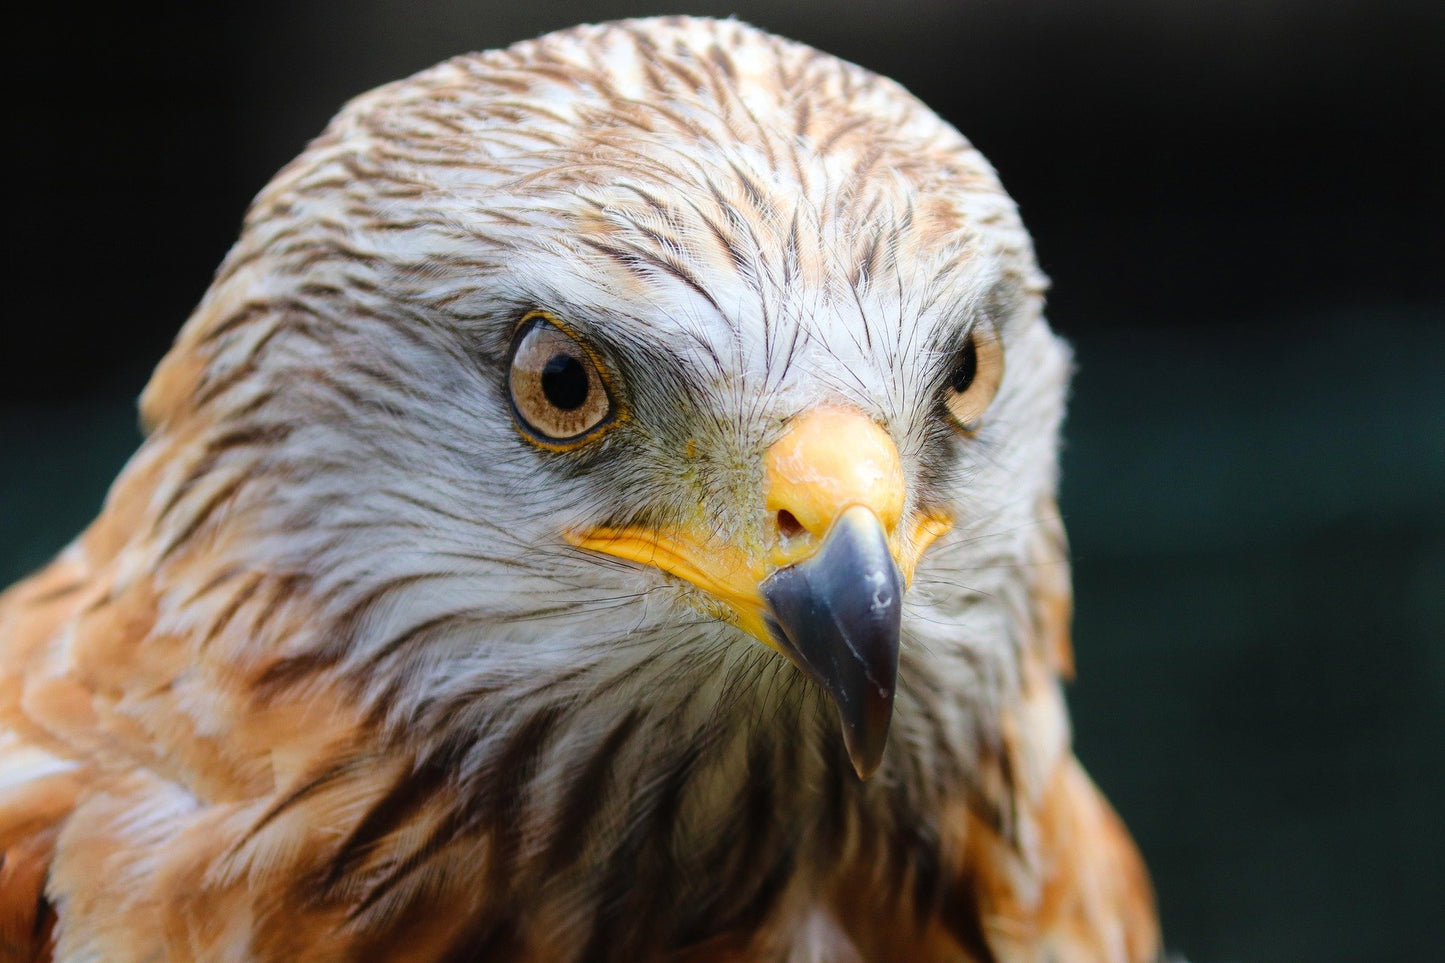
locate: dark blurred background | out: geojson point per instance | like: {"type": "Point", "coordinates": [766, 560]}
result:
{"type": "Point", "coordinates": [1240, 203]}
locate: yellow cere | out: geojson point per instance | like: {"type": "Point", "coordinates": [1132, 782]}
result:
{"type": "Point", "coordinates": [831, 458]}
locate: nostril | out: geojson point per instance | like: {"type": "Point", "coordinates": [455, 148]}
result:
{"type": "Point", "coordinates": [788, 524]}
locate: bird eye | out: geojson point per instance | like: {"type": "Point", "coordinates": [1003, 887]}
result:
{"type": "Point", "coordinates": [558, 394]}
{"type": "Point", "coordinates": [974, 379]}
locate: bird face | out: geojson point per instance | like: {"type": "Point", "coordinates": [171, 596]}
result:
{"type": "Point", "coordinates": [627, 401]}
{"type": "Point", "coordinates": [818, 573]}
{"type": "Point", "coordinates": [783, 465]}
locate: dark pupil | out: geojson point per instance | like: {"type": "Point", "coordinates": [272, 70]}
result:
{"type": "Point", "coordinates": [966, 368]}
{"type": "Point", "coordinates": [564, 382]}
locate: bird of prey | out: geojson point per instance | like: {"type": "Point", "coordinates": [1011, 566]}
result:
{"type": "Point", "coordinates": [603, 509]}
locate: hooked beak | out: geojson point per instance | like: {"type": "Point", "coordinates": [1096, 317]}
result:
{"type": "Point", "coordinates": [824, 584]}
{"type": "Point", "coordinates": [838, 615]}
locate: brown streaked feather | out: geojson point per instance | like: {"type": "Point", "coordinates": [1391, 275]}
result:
{"type": "Point", "coordinates": [1052, 590]}
{"type": "Point", "coordinates": [1081, 895]}
{"type": "Point", "coordinates": [27, 920]}
{"type": "Point", "coordinates": [1064, 883]}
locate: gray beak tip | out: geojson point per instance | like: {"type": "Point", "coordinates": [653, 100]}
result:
{"type": "Point", "coordinates": [839, 615]}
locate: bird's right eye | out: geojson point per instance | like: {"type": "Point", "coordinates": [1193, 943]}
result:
{"type": "Point", "coordinates": [559, 395]}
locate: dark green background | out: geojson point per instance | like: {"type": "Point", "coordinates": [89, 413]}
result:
{"type": "Point", "coordinates": [1240, 204]}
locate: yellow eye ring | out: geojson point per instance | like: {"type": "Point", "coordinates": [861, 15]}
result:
{"type": "Point", "coordinates": [560, 393]}
{"type": "Point", "coordinates": [974, 378]}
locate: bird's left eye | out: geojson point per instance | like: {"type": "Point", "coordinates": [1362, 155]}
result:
{"type": "Point", "coordinates": [974, 378]}
{"type": "Point", "coordinates": [558, 394]}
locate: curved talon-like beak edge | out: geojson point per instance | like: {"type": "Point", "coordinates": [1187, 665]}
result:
{"type": "Point", "coordinates": [838, 614]}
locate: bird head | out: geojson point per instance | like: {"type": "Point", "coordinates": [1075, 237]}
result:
{"type": "Point", "coordinates": [661, 371]}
